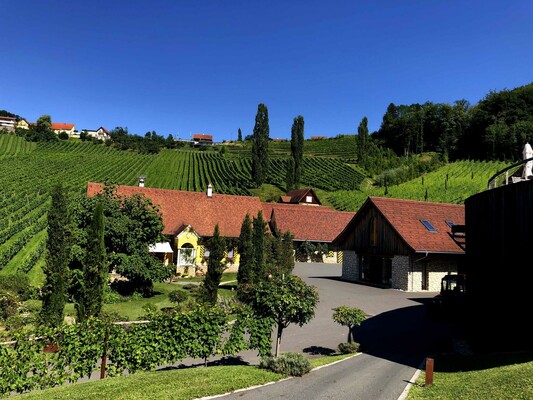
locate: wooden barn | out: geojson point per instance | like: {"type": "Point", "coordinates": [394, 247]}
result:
{"type": "Point", "coordinates": [402, 244]}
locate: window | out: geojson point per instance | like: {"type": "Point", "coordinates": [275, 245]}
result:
{"type": "Point", "coordinates": [308, 199]}
{"type": "Point", "coordinates": [428, 225]}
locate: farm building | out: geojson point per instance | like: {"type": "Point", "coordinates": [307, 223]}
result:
{"type": "Point", "coordinates": [402, 244]}
{"type": "Point", "coordinates": [300, 196]}
{"type": "Point", "coordinates": [189, 219]}
{"type": "Point", "coordinates": [202, 138]}
{"type": "Point", "coordinates": [101, 133]}
{"type": "Point", "coordinates": [59, 127]}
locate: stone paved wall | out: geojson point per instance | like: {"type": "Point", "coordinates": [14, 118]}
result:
{"type": "Point", "coordinates": [400, 273]}
{"type": "Point", "coordinates": [350, 265]}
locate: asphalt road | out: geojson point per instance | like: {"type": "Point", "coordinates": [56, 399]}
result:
{"type": "Point", "coordinates": [395, 340]}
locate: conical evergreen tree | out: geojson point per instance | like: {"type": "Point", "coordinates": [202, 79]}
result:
{"type": "Point", "coordinates": [258, 234]}
{"type": "Point", "coordinates": [57, 257]}
{"type": "Point", "coordinates": [297, 148]}
{"type": "Point", "coordinates": [90, 298]}
{"type": "Point", "coordinates": [246, 252]}
{"type": "Point", "coordinates": [260, 139]}
{"type": "Point", "coordinates": [215, 267]}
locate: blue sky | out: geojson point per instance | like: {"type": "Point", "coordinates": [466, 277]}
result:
{"type": "Point", "coordinates": [183, 67]}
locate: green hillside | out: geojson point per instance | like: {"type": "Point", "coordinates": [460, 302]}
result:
{"type": "Point", "coordinates": [452, 183]}
{"type": "Point", "coordinates": [28, 171]}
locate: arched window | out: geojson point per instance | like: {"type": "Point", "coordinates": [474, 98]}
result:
{"type": "Point", "coordinates": [186, 254]}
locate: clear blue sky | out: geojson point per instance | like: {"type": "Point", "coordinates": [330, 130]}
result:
{"type": "Point", "coordinates": [196, 66]}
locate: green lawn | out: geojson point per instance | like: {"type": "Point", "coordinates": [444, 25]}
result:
{"type": "Point", "coordinates": [480, 377]}
{"type": "Point", "coordinates": [133, 309]}
{"type": "Point", "coordinates": [185, 383]}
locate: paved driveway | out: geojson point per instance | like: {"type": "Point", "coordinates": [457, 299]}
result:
{"type": "Point", "coordinates": [395, 340]}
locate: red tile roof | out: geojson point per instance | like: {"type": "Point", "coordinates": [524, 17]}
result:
{"type": "Point", "coordinates": [180, 209]}
{"type": "Point", "coordinates": [298, 196]}
{"type": "Point", "coordinates": [316, 224]}
{"type": "Point", "coordinates": [405, 216]}
{"type": "Point", "coordinates": [202, 136]}
{"type": "Point", "coordinates": [57, 126]}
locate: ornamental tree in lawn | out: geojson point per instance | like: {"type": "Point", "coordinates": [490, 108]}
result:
{"type": "Point", "coordinates": [350, 317]}
{"type": "Point", "coordinates": [287, 299]}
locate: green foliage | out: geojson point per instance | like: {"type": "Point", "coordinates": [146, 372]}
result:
{"type": "Point", "coordinates": [131, 224]}
{"type": "Point", "coordinates": [178, 296]}
{"type": "Point", "coordinates": [215, 266]}
{"type": "Point", "coordinates": [291, 364]}
{"type": "Point", "coordinates": [57, 257]}
{"type": "Point", "coordinates": [9, 304]}
{"type": "Point", "coordinates": [308, 251]}
{"type": "Point", "coordinates": [239, 135]}
{"type": "Point", "coordinates": [258, 239]}
{"type": "Point", "coordinates": [362, 141]}
{"type": "Point", "coordinates": [90, 295]}
{"type": "Point", "coordinates": [260, 139]}
{"type": "Point", "coordinates": [297, 152]}
{"type": "Point", "coordinates": [350, 317]}
{"type": "Point", "coordinates": [348, 347]}
{"type": "Point", "coordinates": [246, 252]}
{"type": "Point", "coordinates": [18, 284]}
{"type": "Point", "coordinates": [287, 299]}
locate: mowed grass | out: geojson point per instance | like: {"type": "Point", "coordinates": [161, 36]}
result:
{"type": "Point", "coordinates": [185, 383]}
{"type": "Point", "coordinates": [480, 377]}
{"type": "Point", "coordinates": [189, 383]}
{"type": "Point", "coordinates": [134, 308]}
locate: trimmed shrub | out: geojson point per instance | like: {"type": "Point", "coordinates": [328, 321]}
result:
{"type": "Point", "coordinates": [177, 296]}
{"type": "Point", "coordinates": [292, 364]}
{"type": "Point", "coordinates": [348, 347]}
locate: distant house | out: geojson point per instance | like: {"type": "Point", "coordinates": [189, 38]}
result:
{"type": "Point", "coordinates": [279, 140]}
{"type": "Point", "coordinates": [402, 244]}
{"type": "Point", "coordinates": [300, 196]}
{"type": "Point", "coordinates": [100, 133]}
{"type": "Point", "coordinates": [317, 137]}
{"type": "Point", "coordinates": [58, 127]}
{"type": "Point", "coordinates": [201, 138]}
{"type": "Point", "coordinates": [23, 124]}
{"type": "Point", "coordinates": [8, 123]}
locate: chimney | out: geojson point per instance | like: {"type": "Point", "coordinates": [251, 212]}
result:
{"type": "Point", "coordinates": [141, 181]}
{"type": "Point", "coordinates": [209, 190]}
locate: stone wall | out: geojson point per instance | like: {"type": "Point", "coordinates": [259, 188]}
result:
{"type": "Point", "coordinates": [400, 273]}
{"type": "Point", "coordinates": [350, 265]}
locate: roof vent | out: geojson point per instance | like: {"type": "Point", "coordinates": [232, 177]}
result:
{"type": "Point", "coordinates": [209, 190]}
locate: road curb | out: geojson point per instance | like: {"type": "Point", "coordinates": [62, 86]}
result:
{"type": "Point", "coordinates": [411, 382]}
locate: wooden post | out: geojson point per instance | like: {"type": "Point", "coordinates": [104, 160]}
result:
{"type": "Point", "coordinates": [104, 355]}
{"type": "Point", "coordinates": [429, 371]}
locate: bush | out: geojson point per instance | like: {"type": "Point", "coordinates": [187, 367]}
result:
{"type": "Point", "coordinates": [177, 296]}
{"type": "Point", "coordinates": [293, 364]}
{"type": "Point", "coordinates": [19, 284]}
{"type": "Point", "coordinates": [9, 304]}
{"type": "Point", "coordinates": [348, 347]}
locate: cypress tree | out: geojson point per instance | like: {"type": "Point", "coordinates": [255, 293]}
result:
{"type": "Point", "coordinates": [239, 135]}
{"type": "Point", "coordinates": [362, 141]}
{"type": "Point", "coordinates": [246, 250]}
{"type": "Point", "coordinates": [289, 178]}
{"type": "Point", "coordinates": [90, 298]}
{"type": "Point", "coordinates": [56, 257]}
{"type": "Point", "coordinates": [215, 267]}
{"type": "Point", "coordinates": [297, 148]}
{"type": "Point", "coordinates": [258, 235]}
{"type": "Point", "coordinates": [260, 140]}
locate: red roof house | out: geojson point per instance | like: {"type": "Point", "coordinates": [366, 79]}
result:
{"type": "Point", "coordinates": [403, 244]}
{"type": "Point", "coordinates": [202, 138]}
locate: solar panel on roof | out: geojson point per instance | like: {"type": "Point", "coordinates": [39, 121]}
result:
{"type": "Point", "coordinates": [428, 225]}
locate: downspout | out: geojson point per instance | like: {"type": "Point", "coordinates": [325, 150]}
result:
{"type": "Point", "coordinates": [413, 267]}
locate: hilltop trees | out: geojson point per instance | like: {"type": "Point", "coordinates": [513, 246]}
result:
{"type": "Point", "coordinates": [260, 140]}
{"type": "Point", "coordinates": [56, 259]}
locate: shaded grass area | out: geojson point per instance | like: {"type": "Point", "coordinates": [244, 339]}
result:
{"type": "Point", "coordinates": [482, 376]}
{"type": "Point", "coordinates": [183, 383]}
{"type": "Point", "coordinates": [134, 308]}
